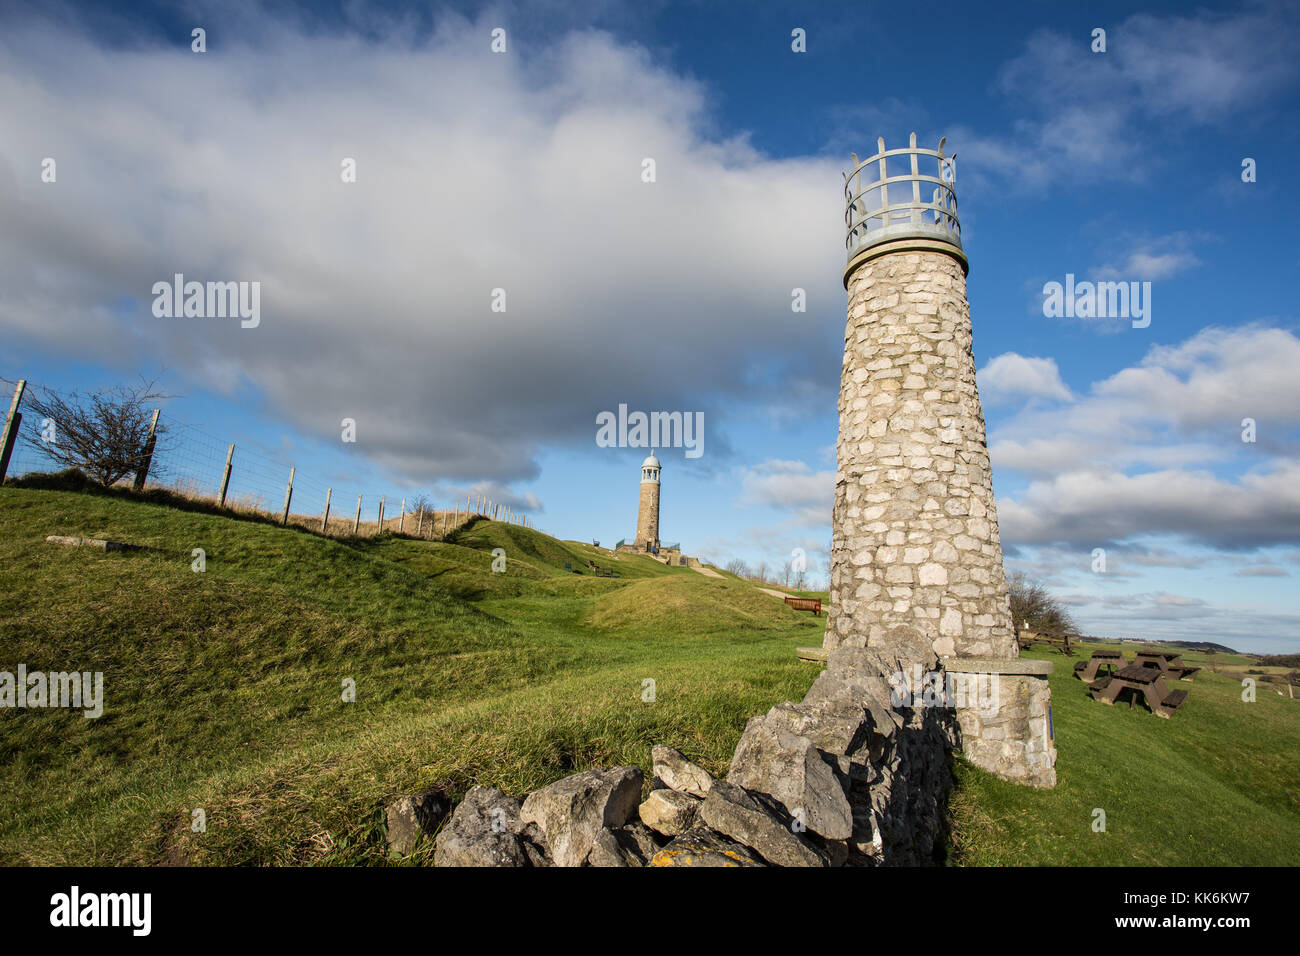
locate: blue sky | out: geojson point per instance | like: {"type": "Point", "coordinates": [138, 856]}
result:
{"type": "Point", "coordinates": [522, 171]}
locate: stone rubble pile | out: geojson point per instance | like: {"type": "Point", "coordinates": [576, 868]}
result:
{"type": "Point", "coordinates": [842, 778]}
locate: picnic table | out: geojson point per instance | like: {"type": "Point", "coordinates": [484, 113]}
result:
{"type": "Point", "coordinates": [1134, 681]}
{"type": "Point", "coordinates": [1088, 670]}
{"type": "Point", "coordinates": [806, 604]}
{"type": "Point", "coordinates": [1169, 663]}
{"type": "Point", "coordinates": [1028, 639]}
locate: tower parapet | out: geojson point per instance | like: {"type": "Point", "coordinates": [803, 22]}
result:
{"type": "Point", "coordinates": [899, 200]}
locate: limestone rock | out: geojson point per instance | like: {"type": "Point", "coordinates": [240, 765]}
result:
{"type": "Point", "coordinates": [700, 846]}
{"type": "Point", "coordinates": [771, 759]}
{"type": "Point", "coordinates": [412, 817]}
{"type": "Point", "coordinates": [484, 831]}
{"type": "Point", "coordinates": [674, 771]}
{"type": "Point", "coordinates": [669, 812]}
{"type": "Point", "coordinates": [631, 845]}
{"type": "Point", "coordinates": [736, 813]}
{"type": "Point", "coordinates": [572, 812]}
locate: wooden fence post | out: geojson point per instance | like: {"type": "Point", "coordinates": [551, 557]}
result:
{"type": "Point", "coordinates": [225, 475]}
{"type": "Point", "coordinates": [325, 518]}
{"type": "Point", "coordinates": [401, 517]}
{"type": "Point", "coordinates": [288, 496]}
{"type": "Point", "coordinates": [13, 421]}
{"type": "Point", "coordinates": [356, 527]}
{"type": "Point", "coordinates": [146, 459]}
{"type": "Point", "coordinates": [381, 514]}
{"type": "Point", "coordinates": [419, 523]}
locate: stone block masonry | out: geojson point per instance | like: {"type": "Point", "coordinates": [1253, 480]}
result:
{"type": "Point", "coordinates": [915, 525]}
{"type": "Point", "coordinates": [647, 515]}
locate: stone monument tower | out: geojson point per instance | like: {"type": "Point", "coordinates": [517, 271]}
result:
{"type": "Point", "coordinates": [916, 558]}
{"type": "Point", "coordinates": [647, 513]}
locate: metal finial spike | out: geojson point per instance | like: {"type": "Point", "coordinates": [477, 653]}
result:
{"type": "Point", "coordinates": [880, 143]}
{"type": "Point", "coordinates": [942, 140]}
{"type": "Point", "coordinates": [855, 159]}
{"type": "Point", "coordinates": [912, 141]}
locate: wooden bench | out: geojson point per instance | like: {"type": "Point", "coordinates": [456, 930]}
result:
{"type": "Point", "coordinates": [1135, 680]}
{"type": "Point", "coordinates": [600, 572]}
{"type": "Point", "coordinates": [806, 604]}
{"type": "Point", "coordinates": [1169, 663]}
{"type": "Point", "coordinates": [1088, 670]}
{"type": "Point", "coordinates": [1028, 639]}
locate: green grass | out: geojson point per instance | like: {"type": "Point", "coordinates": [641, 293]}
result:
{"type": "Point", "coordinates": [1216, 784]}
{"type": "Point", "coordinates": [223, 693]}
{"type": "Point", "coordinates": [223, 688]}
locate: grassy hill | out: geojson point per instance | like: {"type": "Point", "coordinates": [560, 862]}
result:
{"type": "Point", "coordinates": [223, 688]}
{"type": "Point", "coordinates": [223, 692]}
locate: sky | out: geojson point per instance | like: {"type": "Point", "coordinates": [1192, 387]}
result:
{"type": "Point", "coordinates": [500, 271]}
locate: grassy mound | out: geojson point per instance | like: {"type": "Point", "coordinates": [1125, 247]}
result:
{"type": "Point", "coordinates": [697, 603]}
{"type": "Point", "coordinates": [223, 688]}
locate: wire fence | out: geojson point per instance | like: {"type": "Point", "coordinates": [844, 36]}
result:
{"type": "Point", "coordinates": [241, 477]}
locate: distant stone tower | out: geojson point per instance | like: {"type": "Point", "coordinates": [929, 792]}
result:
{"type": "Point", "coordinates": [647, 513]}
{"type": "Point", "coordinates": [916, 558]}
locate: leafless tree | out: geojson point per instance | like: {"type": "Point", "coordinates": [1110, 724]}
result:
{"type": "Point", "coordinates": [1034, 607]}
{"type": "Point", "coordinates": [738, 567]}
{"type": "Point", "coordinates": [102, 433]}
{"type": "Point", "coordinates": [786, 567]}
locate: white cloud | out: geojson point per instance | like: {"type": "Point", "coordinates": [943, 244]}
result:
{"type": "Point", "coordinates": [1011, 375]}
{"type": "Point", "coordinates": [1264, 571]}
{"type": "Point", "coordinates": [1085, 107]}
{"type": "Point", "coordinates": [1152, 260]}
{"type": "Point", "coordinates": [1156, 449]}
{"type": "Point", "coordinates": [475, 172]}
{"type": "Point", "coordinates": [790, 486]}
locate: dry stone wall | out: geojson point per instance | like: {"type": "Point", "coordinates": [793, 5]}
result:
{"type": "Point", "coordinates": [915, 526]}
{"type": "Point", "coordinates": [845, 777]}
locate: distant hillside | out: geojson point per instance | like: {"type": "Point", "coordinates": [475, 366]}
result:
{"type": "Point", "coordinates": [1202, 646]}
{"type": "Point", "coordinates": [1280, 660]}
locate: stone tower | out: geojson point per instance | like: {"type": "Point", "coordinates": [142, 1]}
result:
{"type": "Point", "coordinates": [647, 513]}
{"type": "Point", "coordinates": [916, 558]}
